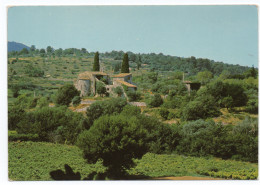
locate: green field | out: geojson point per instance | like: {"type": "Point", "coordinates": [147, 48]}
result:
{"type": "Point", "coordinates": [35, 160]}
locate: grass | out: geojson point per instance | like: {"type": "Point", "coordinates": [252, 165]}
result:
{"type": "Point", "coordinates": [233, 117]}
{"type": "Point", "coordinates": [35, 160]}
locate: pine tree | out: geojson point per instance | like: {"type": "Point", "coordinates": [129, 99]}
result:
{"type": "Point", "coordinates": [125, 64]}
{"type": "Point", "coordinates": [96, 62]}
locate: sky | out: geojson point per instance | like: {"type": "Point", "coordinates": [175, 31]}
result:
{"type": "Point", "coordinates": [222, 33]}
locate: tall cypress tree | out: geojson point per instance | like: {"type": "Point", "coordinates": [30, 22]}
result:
{"type": "Point", "coordinates": [125, 64]}
{"type": "Point", "coordinates": [139, 62]}
{"type": "Point", "coordinates": [96, 62]}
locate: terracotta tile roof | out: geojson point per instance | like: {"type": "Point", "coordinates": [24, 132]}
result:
{"type": "Point", "coordinates": [121, 75]}
{"type": "Point", "coordinates": [126, 83]}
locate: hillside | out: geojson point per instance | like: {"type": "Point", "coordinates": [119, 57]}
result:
{"type": "Point", "coordinates": [15, 46]}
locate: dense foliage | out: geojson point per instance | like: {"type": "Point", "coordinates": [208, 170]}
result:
{"type": "Point", "coordinates": [57, 124]}
{"type": "Point", "coordinates": [65, 94]}
{"type": "Point", "coordinates": [96, 66]}
{"type": "Point", "coordinates": [100, 88]}
{"type": "Point", "coordinates": [33, 71]}
{"type": "Point", "coordinates": [117, 140]}
{"type": "Point", "coordinates": [107, 107]}
{"type": "Point", "coordinates": [125, 64]}
{"type": "Point", "coordinates": [155, 101]}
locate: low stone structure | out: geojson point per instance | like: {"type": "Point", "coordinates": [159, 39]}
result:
{"type": "Point", "coordinates": [86, 82]}
{"type": "Point", "coordinates": [192, 85]}
{"type": "Point", "coordinates": [126, 77]}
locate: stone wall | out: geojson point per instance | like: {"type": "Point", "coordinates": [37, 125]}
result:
{"type": "Point", "coordinates": [84, 87]}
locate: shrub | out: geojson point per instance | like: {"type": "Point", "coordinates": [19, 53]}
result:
{"type": "Point", "coordinates": [161, 137]}
{"type": "Point", "coordinates": [42, 102]}
{"type": "Point", "coordinates": [252, 106]}
{"type": "Point", "coordinates": [118, 90]}
{"type": "Point", "coordinates": [33, 71]}
{"type": "Point", "coordinates": [26, 101]}
{"type": "Point", "coordinates": [15, 115]}
{"type": "Point", "coordinates": [99, 108]}
{"type": "Point", "coordinates": [48, 121]}
{"type": "Point", "coordinates": [76, 100]}
{"type": "Point", "coordinates": [23, 137]}
{"type": "Point", "coordinates": [198, 138]}
{"type": "Point", "coordinates": [130, 110]}
{"type": "Point", "coordinates": [201, 108]}
{"type": "Point", "coordinates": [101, 89]}
{"type": "Point", "coordinates": [155, 101]}
{"type": "Point", "coordinates": [220, 90]}
{"type": "Point", "coordinates": [164, 113]}
{"type": "Point", "coordinates": [133, 95]}
{"type": "Point", "coordinates": [15, 89]}
{"type": "Point", "coordinates": [65, 94]}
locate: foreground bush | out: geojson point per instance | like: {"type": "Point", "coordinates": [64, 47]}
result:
{"type": "Point", "coordinates": [116, 140]}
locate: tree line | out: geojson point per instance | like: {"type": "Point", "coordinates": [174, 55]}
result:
{"type": "Point", "coordinates": [155, 62]}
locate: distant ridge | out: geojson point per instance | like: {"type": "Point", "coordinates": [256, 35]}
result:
{"type": "Point", "coordinates": [15, 46]}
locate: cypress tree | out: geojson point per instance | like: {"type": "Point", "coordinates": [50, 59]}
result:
{"type": "Point", "coordinates": [125, 64]}
{"type": "Point", "coordinates": [139, 62]}
{"type": "Point", "coordinates": [96, 62]}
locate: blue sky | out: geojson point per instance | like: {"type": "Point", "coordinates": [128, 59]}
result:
{"type": "Point", "coordinates": [221, 33]}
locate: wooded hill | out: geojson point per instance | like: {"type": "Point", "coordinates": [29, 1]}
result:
{"type": "Point", "coordinates": [152, 61]}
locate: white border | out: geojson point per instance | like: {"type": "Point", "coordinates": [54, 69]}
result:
{"type": "Point", "coordinates": [3, 75]}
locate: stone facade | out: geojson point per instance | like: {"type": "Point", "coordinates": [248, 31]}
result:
{"type": "Point", "coordinates": [86, 82]}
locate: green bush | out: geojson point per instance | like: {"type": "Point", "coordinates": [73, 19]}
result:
{"type": "Point", "coordinates": [155, 101]}
{"type": "Point", "coordinates": [76, 100]}
{"type": "Point", "coordinates": [100, 88]}
{"type": "Point", "coordinates": [220, 90]}
{"type": "Point", "coordinates": [201, 108]}
{"type": "Point", "coordinates": [245, 139]}
{"type": "Point", "coordinates": [252, 106]}
{"type": "Point", "coordinates": [164, 113]}
{"type": "Point", "coordinates": [99, 108]}
{"type": "Point", "coordinates": [43, 102]}
{"type": "Point", "coordinates": [34, 71]}
{"type": "Point", "coordinates": [118, 90]}
{"type": "Point", "coordinates": [65, 94]}
{"type": "Point", "coordinates": [133, 95]}
{"type": "Point", "coordinates": [198, 138]}
{"type": "Point", "coordinates": [161, 137]}
{"type": "Point", "coordinates": [117, 140]}
{"type": "Point", "coordinates": [15, 115]}
{"type": "Point", "coordinates": [23, 137]}
{"type": "Point", "coordinates": [50, 123]}
{"type": "Point", "coordinates": [15, 89]}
